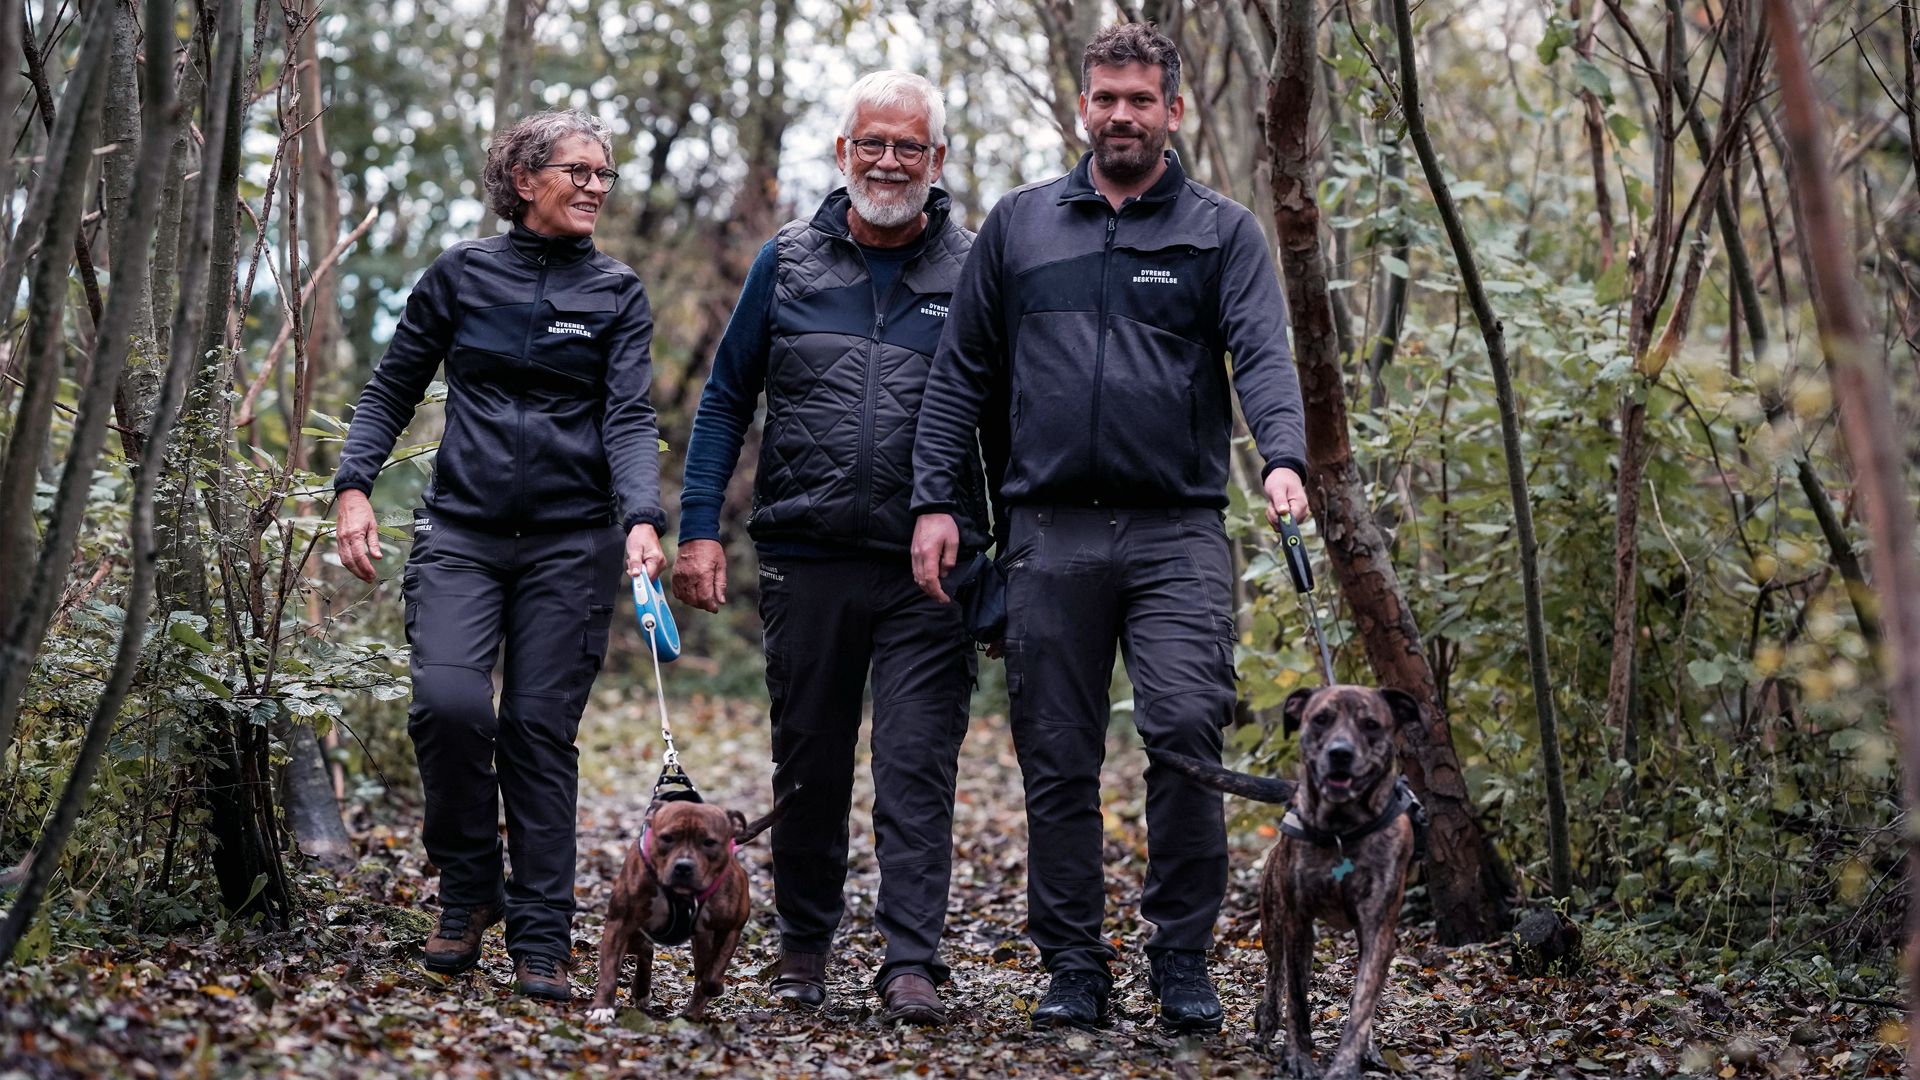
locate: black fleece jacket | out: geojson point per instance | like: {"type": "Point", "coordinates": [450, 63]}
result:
{"type": "Point", "coordinates": [1105, 333]}
{"type": "Point", "coordinates": [549, 427]}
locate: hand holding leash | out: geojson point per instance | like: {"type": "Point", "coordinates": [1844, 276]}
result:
{"type": "Point", "coordinates": [1300, 568]}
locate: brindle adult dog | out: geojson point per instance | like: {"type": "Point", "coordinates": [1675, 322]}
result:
{"type": "Point", "coordinates": [1347, 843]}
{"type": "Point", "coordinates": [680, 881]}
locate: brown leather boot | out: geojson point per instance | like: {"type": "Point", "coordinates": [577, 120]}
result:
{"type": "Point", "coordinates": [455, 944]}
{"type": "Point", "coordinates": [542, 976]}
{"type": "Point", "coordinates": [910, 998]}
{"type": "Point", "coordinates": [801, 981]}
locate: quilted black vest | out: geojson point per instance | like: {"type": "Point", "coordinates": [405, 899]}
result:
{"type": "Point", "coordinates": [844, 378]}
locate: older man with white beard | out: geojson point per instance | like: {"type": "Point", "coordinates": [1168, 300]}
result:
{"type": "Point", "coordinates": [837, 322]}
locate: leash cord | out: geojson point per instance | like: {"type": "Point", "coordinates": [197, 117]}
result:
{"type": "Point", "coordinates": [671, 760]}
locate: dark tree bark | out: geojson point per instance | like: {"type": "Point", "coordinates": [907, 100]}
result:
{"type": "Point", "coordinates": [162, 114]}
{"type": "Point", "coordinates": [510, 82]}
{"type": "Point", "coordinates": [1873, 438]}
{"type": "Point", "coordinates": [1468, 903]}
{"type": "Point", "coordinates": [1560, 856]}
{"type": "Point", "coordinates": [60, 194]}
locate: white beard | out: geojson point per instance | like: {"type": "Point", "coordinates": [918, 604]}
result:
{"type": "Point", "coordinates": [894, 213]}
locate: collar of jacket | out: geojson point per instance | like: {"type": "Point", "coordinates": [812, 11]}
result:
{"type": "Point", "coordinates": [831, 218]}
{"type": "Point", "coordinates": [549, 250]}
{"type": "Point", "coordinates": [1079, 186]}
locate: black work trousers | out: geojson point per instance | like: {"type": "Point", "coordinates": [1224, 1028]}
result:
{"type": "Point", "coordinates": [1158, 582]}
{"type": "Point", "coordinates": [828, 621]}
{"type": "Point", "coordinates": [549, 599]}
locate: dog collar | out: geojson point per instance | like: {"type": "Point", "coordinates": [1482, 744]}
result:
{"type": "Point", "coordinates": [1403, 802]}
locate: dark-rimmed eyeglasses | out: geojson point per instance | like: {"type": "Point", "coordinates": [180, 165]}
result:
{"type": "Point", "coordinates": [906, 152]}
{"type": "Point", "coordinates": [581, 172]}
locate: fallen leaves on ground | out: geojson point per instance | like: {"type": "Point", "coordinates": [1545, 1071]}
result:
{"type": "Point", "coordinates": [343, 994]}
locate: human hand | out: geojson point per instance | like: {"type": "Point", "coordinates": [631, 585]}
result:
{"type": "Point", "coordinates": [700, 574]}
{"type": "Point", "coordinates": [936, 547]}
{"type": "Point", "coordinates": [643, 552]}
{"type": "Point", "coordinates": [356, 534]}
{"type": "Point", "coordinates": [1286, 495]}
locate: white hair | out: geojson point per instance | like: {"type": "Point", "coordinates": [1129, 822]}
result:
{"type": "Point", "coordinates": [894, 89]}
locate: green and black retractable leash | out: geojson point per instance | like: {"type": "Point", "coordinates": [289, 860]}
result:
{"type": "Point", "coordinates": [1300, 568]}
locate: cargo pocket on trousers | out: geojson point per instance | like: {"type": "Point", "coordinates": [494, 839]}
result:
{"type": "Point", "coordinates": [593, 644]}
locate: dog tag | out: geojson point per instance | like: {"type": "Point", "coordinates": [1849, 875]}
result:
{"type": "Point", "coordinates": [1341, 871]}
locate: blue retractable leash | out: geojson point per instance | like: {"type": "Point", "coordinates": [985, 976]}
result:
{"type": "Point", "coordinates": [1300, 568]}
{"type": "Point", "coordinates": [663, 644]}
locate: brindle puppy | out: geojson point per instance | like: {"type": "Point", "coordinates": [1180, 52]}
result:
{"type": "Point", "coordinates": [680, 880]}
{"type": "Point", "coordinates": [1343, 872]}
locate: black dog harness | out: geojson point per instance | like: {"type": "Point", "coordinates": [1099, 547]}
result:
{"type": "Point", "coordinates": [674, 785]}
{"type": "Point", "coordinates": [1402, 802]}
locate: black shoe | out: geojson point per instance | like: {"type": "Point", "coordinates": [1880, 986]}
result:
{"type": "Point", "coordinates": [1188, 1004]}
{"type": "Point", "coordinates": [1074, 999]}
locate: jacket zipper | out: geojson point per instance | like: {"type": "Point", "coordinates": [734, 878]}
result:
{"type": "Point", "coordinates": [519, 409]}
{"type": "Point", "coordinates": [1100, 353]}
{"type": "Point", "coordinates": [867, 392]}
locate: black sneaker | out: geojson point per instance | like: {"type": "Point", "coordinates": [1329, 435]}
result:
{"type": "Point", "coordinates": [1188, 1003]}
{"type": "Point", "coordinates": [1074, 999]}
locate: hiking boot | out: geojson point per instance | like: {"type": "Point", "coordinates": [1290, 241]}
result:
{"type": "Point", "coordinates": [543, 976]}
{"type": "Point", "coordinates": [455, 944]}
{"type": "Point", "coordinates": [801, 981]}
{"type": "Point", "coordinates": [1188, 1003]}
{"type": "Point", "coordinates": [910, 998]}
{"type": "Point", "coordinates": [1074, 999]}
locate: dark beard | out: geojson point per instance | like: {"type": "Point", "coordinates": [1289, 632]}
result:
{"type": "Point", "coordinates": [1132, 163]}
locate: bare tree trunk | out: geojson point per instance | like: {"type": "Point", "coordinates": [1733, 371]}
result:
{"type": "Point", "coordinates": [1467, 902]}
{"type": "Point", "coordinates": [510, 84]}
{"type": "Point", "coordinates": [28, 625]}
{"type": "Point", "coordinates": [1560, 855]}
{"type": "Point", "coordinates": [1596, 130]}
{"type": "Point", "coordinates": [12, 88]}
{"type": "Point", "coordinates": [1865, 397]}
{"type": "Point", "coordinates": [162, 114]}
{"type": "Point", "coordinates": [62, 194]}
{"type": "Point", "coordinates": [1649, 266]}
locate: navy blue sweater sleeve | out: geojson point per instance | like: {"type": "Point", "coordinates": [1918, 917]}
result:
{"type": "Point", "coordinates": [388, 401]}
{"type": "Point", "coordinates": [728, 402]}
{"type": "Point", "coordinates": [629, 432]}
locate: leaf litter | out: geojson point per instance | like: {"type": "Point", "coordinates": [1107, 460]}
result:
{"type": "Point", "coordinates": [343, 994]}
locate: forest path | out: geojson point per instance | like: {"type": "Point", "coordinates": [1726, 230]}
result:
{"type": "Point", "coordinates": [344, 995]}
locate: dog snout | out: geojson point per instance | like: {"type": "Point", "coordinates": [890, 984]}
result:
{"type": "Point", "coordinates": [682, 870]}
{"type": "Point", "coordinates": [1340, 756]}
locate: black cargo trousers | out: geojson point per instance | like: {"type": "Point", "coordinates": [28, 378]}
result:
{"type": "Point", "coordinates": [548, 597]}
{"type": "Point", "coordinates": [828, 621]}
{"type": "Point", "coordinates": [1159, 582]}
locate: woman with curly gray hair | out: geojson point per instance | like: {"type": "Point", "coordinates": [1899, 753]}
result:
{"type": "Point", "coordinates": [546, 476]}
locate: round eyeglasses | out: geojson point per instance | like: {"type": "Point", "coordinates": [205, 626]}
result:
{"type": "Point", "coordinates": [582, 173]}
{"type": "Point", "coordinates": [906, 152]}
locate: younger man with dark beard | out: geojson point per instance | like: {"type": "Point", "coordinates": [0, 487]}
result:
{"type": "Point", "coordinates": [837, 322]}
{"type": "Point", "coordinates": [1103, 305]}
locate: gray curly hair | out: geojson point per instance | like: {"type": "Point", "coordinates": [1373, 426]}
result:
{"type": "Point", "coordinates": [528, 145]}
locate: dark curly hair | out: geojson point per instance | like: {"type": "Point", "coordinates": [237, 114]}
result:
{"type": "Point", "coordinates": [1133, 43]}
{"type": "Point", "coordinates": [528, 145]}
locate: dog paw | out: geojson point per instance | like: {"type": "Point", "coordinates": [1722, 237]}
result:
{"type": "Point", "coordinates": [603, 1015]}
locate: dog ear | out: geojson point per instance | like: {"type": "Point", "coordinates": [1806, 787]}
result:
{"type": "Point", "coordinates": [739, 822]}
{"type": "Point", "coordinates": [1294, 712]}
{"type": "Point", "coordinates": [1404, 706]}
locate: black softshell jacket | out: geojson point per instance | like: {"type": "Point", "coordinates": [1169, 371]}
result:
{"type": "Point", "coordinates": [549, 428]}
{"type": "Point", "coordinates": [1111, 330]}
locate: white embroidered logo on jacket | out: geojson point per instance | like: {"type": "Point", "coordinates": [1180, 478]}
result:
{"type": "Point", "coordinates": [569, 328]}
